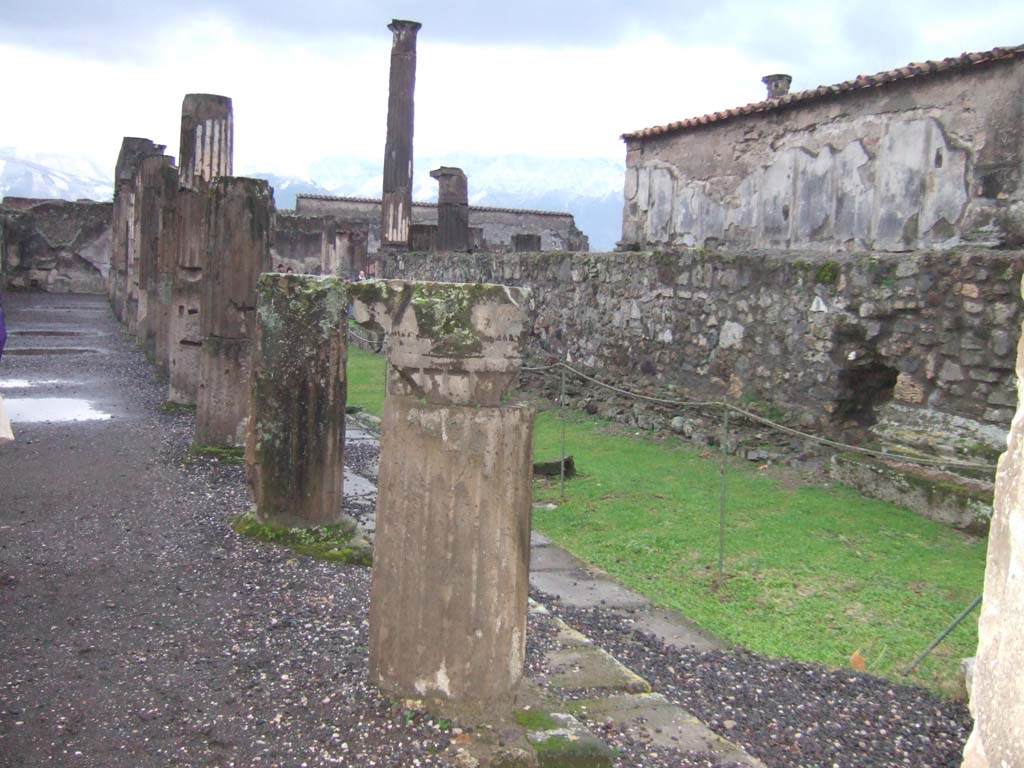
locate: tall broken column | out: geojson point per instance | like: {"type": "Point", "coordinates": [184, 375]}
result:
{"type": "Point", "coordinates": [205, 154]}
{"type": "Point", "coordinates": [239, 227]}
{"type": "Point", "coordinates": [997, 691]}
{"type": "Point", "coordinates": [160, 300]}
{"type": "Point", "coordinates": [148, 211]}
{"type": "Point", "coordinates": [452, 209]}
{"type": "Point", "coordinates": [451, 556]}
{"type": "Point", "coordinates": [396, 208]}
{"type": "Point", "coordinates": [296, 430]}
{"type": "Point", "coordinates": [133, 149]}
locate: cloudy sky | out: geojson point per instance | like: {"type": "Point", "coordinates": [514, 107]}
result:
{"type": "Point", "coordinates": [535, 77]}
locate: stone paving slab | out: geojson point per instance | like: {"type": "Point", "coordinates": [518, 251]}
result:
{"type": "Point", "coordinates": [582, 668]}
{"type": "Point", "coordinates": [582, 590]}
{"type": "Point", "coordinates": [671, 628]}
{"type": "Point", "coordinates": [665, 724]}
{"type": "Point", "coordinates": [549, 558]}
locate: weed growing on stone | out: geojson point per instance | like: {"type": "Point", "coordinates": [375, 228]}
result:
{"type": "Point", "coordinates": [171, 407]}
{"type": "Point", "coordinates": [333, 543]}
{"type": "Point", "coordinates": [223, 455]}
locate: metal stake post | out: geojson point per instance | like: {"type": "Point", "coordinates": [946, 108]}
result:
{"type": "Point", "coordinates": [721, 507]}
{"type": "Point", "coordinates": [561, 410]}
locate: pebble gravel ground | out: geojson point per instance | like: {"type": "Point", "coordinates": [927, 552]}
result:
{"type": "Point", "coordinates": [787, 713]}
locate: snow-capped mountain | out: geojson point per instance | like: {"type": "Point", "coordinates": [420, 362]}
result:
{"type": "Point", "coordinates": [52, 176]}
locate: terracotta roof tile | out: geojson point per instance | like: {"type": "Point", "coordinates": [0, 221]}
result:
{"type": "Point", "coordinates": [860, 82]}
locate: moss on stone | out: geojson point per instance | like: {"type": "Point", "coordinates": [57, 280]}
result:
{"type": "Point", "coordinates": [334, 543]}
{"type": "Point", "coordinates": [172, 407]}
{"type": "Point", "coordinates": [562, 752]}
{"type": "Point", "coordinates": [535, 720]}
{"type": "Point", "coordinates": [827, 273]}
{"type": "Point", "coordinates": [223, 455]}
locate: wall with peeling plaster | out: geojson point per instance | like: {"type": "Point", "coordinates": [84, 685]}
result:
{"type": "Point", "coordinates": [930, 162]}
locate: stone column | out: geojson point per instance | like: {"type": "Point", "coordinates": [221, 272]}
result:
{"type": "Point", "coordinates": [239, 216]}
{"type": "Point", "coordinates": [148, 209]}
{"type": "Point", "coordinates": [997, 691]}
{"type": "Point", "coordinates": [207, 139]}
{"type": "Point", "coordinates": [396, 209]}
{"type": "Point", "coordinates": [296, 431]}
{"type": "Point", "coordinates": [452, 209]}
{"type": "Point", "coordinates": [160, 300]}
{"type": "Point", "coordinates": [204, 154]}
{"type": "Point", "coordinates": [451, 557]}
{"type": "Point", "coordinates": [133, 149]}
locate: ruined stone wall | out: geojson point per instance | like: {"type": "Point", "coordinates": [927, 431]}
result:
{"type": "Point", "coordinates": [927, 162]}
{"type": "Point", "coordinates": [557, 231]}
{"type": "Point", "coordinates": [312, 244]}
{"type": "Point", "coordinates": [918, 344]}
{"type": "Point", "coordinates": [55, 245]}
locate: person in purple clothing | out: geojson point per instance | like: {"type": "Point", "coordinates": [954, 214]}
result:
{"type": "Point", "coordinates": [3, 328]}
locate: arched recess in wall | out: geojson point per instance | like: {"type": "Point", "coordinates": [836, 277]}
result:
{"type": "Point", "coordinates": [865, 379]}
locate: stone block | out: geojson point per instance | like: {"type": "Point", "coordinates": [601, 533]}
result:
{"type": "Point", "coordinates": [296, 430]}
{"type": "Point", "coordinates": [456, 343]}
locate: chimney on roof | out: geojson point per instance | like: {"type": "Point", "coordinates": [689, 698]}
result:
{"type": "Point", "coordinates": [778, 85]}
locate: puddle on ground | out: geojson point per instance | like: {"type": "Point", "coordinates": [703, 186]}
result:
{"type": "Point", "coordinates": [23, 410]}
{"type": "Point", "coordinates": [26, 384]}
{"type": "Point", "coordinates": [52, 351]}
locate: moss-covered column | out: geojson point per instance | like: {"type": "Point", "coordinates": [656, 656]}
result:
{"type": "Point", "coordinates": [296, 431]}
{"type": "Point", "coordinates": [239, 220]}
{"type": "Point", "coordinates": [451, 555]}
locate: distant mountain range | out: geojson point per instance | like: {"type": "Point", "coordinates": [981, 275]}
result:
{"type": "Point", "coordinates": [590, 189]}
{"type": "Point", "coordinates": [52, 176]}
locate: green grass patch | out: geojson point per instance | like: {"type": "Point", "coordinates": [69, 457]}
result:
{"type": "Point", "coordinates": [811, 573]}
{"type": "Point", "coordinates": [223, 455]}
{"type": "Point", "coordinates": [174, 408]}
{"type": "Point", "coordinates": [334, 543]}
{"type": "Point", "coordinates": [365, 378]}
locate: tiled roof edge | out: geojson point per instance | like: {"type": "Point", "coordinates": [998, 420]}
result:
{"type": "Point", "coordinates": [964, 61]}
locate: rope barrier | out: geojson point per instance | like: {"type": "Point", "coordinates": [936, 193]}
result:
{"type": "Point", "coordinates": [925, 461]}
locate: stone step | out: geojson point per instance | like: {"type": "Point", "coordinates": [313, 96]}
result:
{"type": "Point", "coordinates": [618, 700]}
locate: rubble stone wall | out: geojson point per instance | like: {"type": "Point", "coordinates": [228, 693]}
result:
{"type": "Point", "coordinates": [55, 245]}
{"type": "Point", "coordinates": [927, 162]}
{"type": "Point", "coordinates": [557, 231]}
{"type": "Point", "coordinates": [920, 342]}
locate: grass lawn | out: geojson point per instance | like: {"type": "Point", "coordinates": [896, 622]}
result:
{"type": "Point", "coordinates": [812, 573]}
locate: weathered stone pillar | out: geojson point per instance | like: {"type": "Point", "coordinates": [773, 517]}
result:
{"type": "Point", "coordinates": [997, 691]}
{"type": "Point", "coordinates": [148, 218]}
{"type": "Point", "coordinates": [239, 216]}
{"type": "Point", "coordinates": [396, 210]}
{"type": "Point", "coordinates": [204, 154]}
{"type": "Point", "coordinates": [451, 557]}
{"type": "Point", "coordinates": [160, 300]}
{"type": "Point", "coordinates": [296, 429]}
{"type": "Point", "coordinates": [207, 139]}
{"type": "Point", "coordinates": [452, 209]}
{"type": "Point", "coordinates": [133, 149]}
